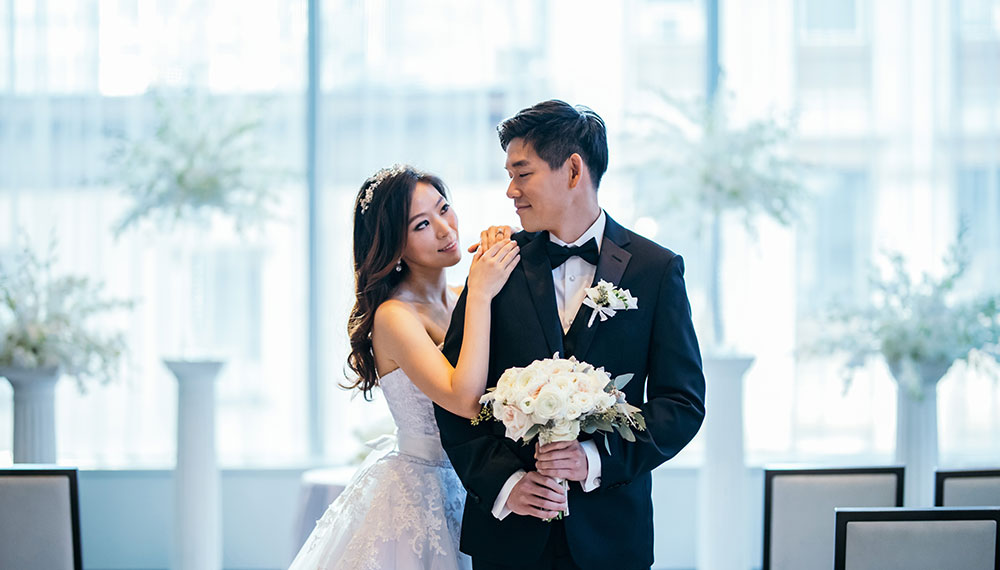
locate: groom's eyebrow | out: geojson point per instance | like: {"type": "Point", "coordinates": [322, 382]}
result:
{"type": "Point", "coordinates": [520, 163]}
{"type": "Point", "coordinates": [436, 205]}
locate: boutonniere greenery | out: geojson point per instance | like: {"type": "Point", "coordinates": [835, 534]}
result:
{"type": "Point", "coordinates": [606, 300]}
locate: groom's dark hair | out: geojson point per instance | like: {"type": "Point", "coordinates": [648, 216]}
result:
{"type": "Point", "coordinates": [556, 129]}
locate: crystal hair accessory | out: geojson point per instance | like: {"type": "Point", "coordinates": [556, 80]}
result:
{"type": "Point", "coordinates": [376, 179]}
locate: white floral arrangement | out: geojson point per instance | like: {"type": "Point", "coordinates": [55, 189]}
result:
{"type": "Point", "coordinates": [202, 159]}
{"type": "Point", "coordinates": [606, 299]}
{"type": "Point", "coordinates": [557, 398]}
{"type": "Point", "coordinates": [916, 325]}
{"type": "Point", "coordinates": [44, 322]}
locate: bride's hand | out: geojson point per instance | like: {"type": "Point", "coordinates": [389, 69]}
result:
{"type": "Point", "coordinates": [491, 267]}
{"type": "Point", "coordinates": [492, 236]}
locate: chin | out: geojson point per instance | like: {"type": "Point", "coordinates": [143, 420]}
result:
{"type": "Point", "coordinates": [457, 258]}
{"type": "Point", "coordinates": [529, 225]}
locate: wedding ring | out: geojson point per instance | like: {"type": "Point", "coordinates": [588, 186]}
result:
{"type": "Point", "coordinates": [499, 233]}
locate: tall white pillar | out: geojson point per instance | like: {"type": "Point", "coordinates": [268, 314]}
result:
{"type": "Point", "coordinates": [722, 513]}
{"type": "Point", "coordinates": [197, 504]}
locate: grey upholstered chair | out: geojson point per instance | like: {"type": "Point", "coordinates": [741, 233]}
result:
{"type": "Point", "coordinates": [967, 488]}
{"type": "Point", "coordinates": [918, 539]}
{"type": "Point", "coordinates": [39, 519]}
{"type": "Point", "coordinates": [799, 506]}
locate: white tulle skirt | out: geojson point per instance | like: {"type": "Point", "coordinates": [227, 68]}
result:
{"type": "Point", "coordinates": [401, 510]}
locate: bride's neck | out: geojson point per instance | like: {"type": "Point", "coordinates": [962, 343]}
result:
{"type": "Point", "coordinates": [426, 286]}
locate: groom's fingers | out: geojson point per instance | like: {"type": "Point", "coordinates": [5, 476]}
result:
{"type": "Point", "coordinates": [564, 459]}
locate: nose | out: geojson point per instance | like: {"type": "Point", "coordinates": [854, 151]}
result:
{"type": "Point", "coordinates": [442, 227]}
{"type": "Point", "coordinates": [512, 191]}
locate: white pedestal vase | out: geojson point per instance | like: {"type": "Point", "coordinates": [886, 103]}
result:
{"type": "Point", "coordinates": [197, 504]}
{"type": "Point", "coordinates": [917, 433]}
{"type": "Point", "coordinates": [722, 502]}
{"type": "Point", "coordinates": [34, 412]}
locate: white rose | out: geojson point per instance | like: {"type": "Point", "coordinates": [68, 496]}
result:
{"type": "Point", "coordinates": [517, 423]}
{"type": "Point", "coordinates": [534, 386]}
{"type": "Point", "coordinates": [563, 430]}
{"type": "Point", "coordinates": [573, 411]}
{"type": "Point", "coordinates": [604, 401]}
{"type": "Point", "coordinates": [582, 401]}
{"type": "Point", "coordinates": [550, 403]}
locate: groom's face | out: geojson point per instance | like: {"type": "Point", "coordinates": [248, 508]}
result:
{"type": "Point", "coordinates": [538, 191]}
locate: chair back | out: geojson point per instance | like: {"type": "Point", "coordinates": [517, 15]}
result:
{"type": "Point", "coordinates": [918, 539]}
{"type": "Point", "coordinates": [967, 488]}
{"type": "Point", "coordinates": [799, 510]}
{"type": "Point", "coordinates": [39, 519]}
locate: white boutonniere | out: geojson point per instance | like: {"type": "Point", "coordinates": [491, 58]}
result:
{"type": "Point", "coordinates": [606, 300]}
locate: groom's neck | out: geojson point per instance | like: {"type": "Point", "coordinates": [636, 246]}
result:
{"type": "Point", "coordinates": [574, 222]}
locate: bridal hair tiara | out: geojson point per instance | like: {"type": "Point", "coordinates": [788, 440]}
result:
{"type": "Point", "coordinates": [378, 178]}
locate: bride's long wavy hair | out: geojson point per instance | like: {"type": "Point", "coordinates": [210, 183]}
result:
{"type": "Point", "coordinates": [381, 214]}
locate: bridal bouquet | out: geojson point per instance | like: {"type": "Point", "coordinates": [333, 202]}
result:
{"type": "Point", "coordinates": [556, 398]}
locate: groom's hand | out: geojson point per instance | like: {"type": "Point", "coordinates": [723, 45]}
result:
{"type": "Point", "coordinates": [563, 459]}
{"type": "Point", "coordinates": [536, 495]}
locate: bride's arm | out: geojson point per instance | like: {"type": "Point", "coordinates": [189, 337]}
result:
{"type": "Point", "coordinates": [403, 339]}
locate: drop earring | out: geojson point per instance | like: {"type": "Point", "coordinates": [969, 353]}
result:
{"type": "Point", "coordinates": [399, 265]}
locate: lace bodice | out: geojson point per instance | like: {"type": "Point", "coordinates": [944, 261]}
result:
{"type": "Point", "coordinates": [411, 409]}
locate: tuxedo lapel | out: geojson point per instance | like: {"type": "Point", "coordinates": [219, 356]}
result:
{"type": "Point", "coordinates": [610, 267]}
{"type": "Point", "coordinates": [538, 271]}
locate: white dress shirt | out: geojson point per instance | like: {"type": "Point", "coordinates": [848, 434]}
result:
{"type": "Point", "coordinates": [570, 280]}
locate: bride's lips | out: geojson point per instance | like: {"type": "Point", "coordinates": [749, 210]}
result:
{"type": "Point", "coordinates": [449, 248]}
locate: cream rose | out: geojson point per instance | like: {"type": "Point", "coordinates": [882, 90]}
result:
{"type": "Point", "coordinates": [562, 430]}
{"type": "Point", "coordinates": [550, 403]}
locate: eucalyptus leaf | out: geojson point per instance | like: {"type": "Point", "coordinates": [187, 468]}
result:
{"type": "Point", "coordinates": [625, 432]}
{"type": "Point", "coordinates": [532, 432]}
{"type": "Point", "coordinates": [621, 381]}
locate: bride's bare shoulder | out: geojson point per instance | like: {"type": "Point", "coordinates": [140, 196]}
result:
{"type": "Point", "coordinates": [392, 311]}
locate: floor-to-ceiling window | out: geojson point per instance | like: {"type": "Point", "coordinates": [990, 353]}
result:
{"type": "Point", "coordinates": [895, 112]}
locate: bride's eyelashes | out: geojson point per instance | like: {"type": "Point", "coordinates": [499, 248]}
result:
{"type": "Point", "coordinates": [424, 223]}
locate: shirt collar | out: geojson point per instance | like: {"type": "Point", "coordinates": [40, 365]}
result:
{"type": "Point", "coordinates": [596, 231]}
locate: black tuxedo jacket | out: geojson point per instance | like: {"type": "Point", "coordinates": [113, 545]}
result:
{"type": "Point", "coordinates": [612, 526]}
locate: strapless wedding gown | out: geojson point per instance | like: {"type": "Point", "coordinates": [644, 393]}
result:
{"type": "Point", "coordinates": [403, 507]}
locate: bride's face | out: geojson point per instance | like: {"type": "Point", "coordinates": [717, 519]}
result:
{"type": "Point", "coordinates": [432, 230]}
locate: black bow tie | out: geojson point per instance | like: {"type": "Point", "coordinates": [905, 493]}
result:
{"type": "Point", "coordinates": [558, 254]}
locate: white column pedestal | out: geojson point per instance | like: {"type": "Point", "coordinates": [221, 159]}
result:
{"type": "Point", "coordinates": [197, 505]}
{"type": "Point", "coordinates": [722, 500]}
{"type": "Point", "coordinates": [34, 413]}
{"type": "Point", "coordinates": [917, 445]}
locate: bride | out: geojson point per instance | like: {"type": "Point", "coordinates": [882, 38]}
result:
{"type": "Point", "coordinates": [403, 507]}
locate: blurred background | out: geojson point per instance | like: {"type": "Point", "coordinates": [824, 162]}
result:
{"type": "Point", "coordinates": [888, 110]}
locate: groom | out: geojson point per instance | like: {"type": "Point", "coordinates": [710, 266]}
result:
{"type": "Point", "coordinates": [556, 155]}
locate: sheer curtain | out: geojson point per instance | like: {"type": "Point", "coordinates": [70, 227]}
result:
{"type": "Point", "coordinates": [427, 84]}
{"type": "Point", "coordinates": [76, 77]}
{"type": "Point", "coordinates": [896, 105]}
{"type": "Point", "coordinates": [897, 109]}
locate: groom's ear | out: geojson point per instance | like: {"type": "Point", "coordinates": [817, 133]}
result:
{"type": "Point", "coordinates": [575, 162]}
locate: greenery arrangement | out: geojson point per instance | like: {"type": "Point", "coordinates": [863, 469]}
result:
{"type": "Point", "coordinates": [45, 321]}
{"type": "Point", "coordinates": [702, 165]}
{"type": "Point", "coordinates": [204, 158]}
{"type": "Point", "coordinates": [920, 327]}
